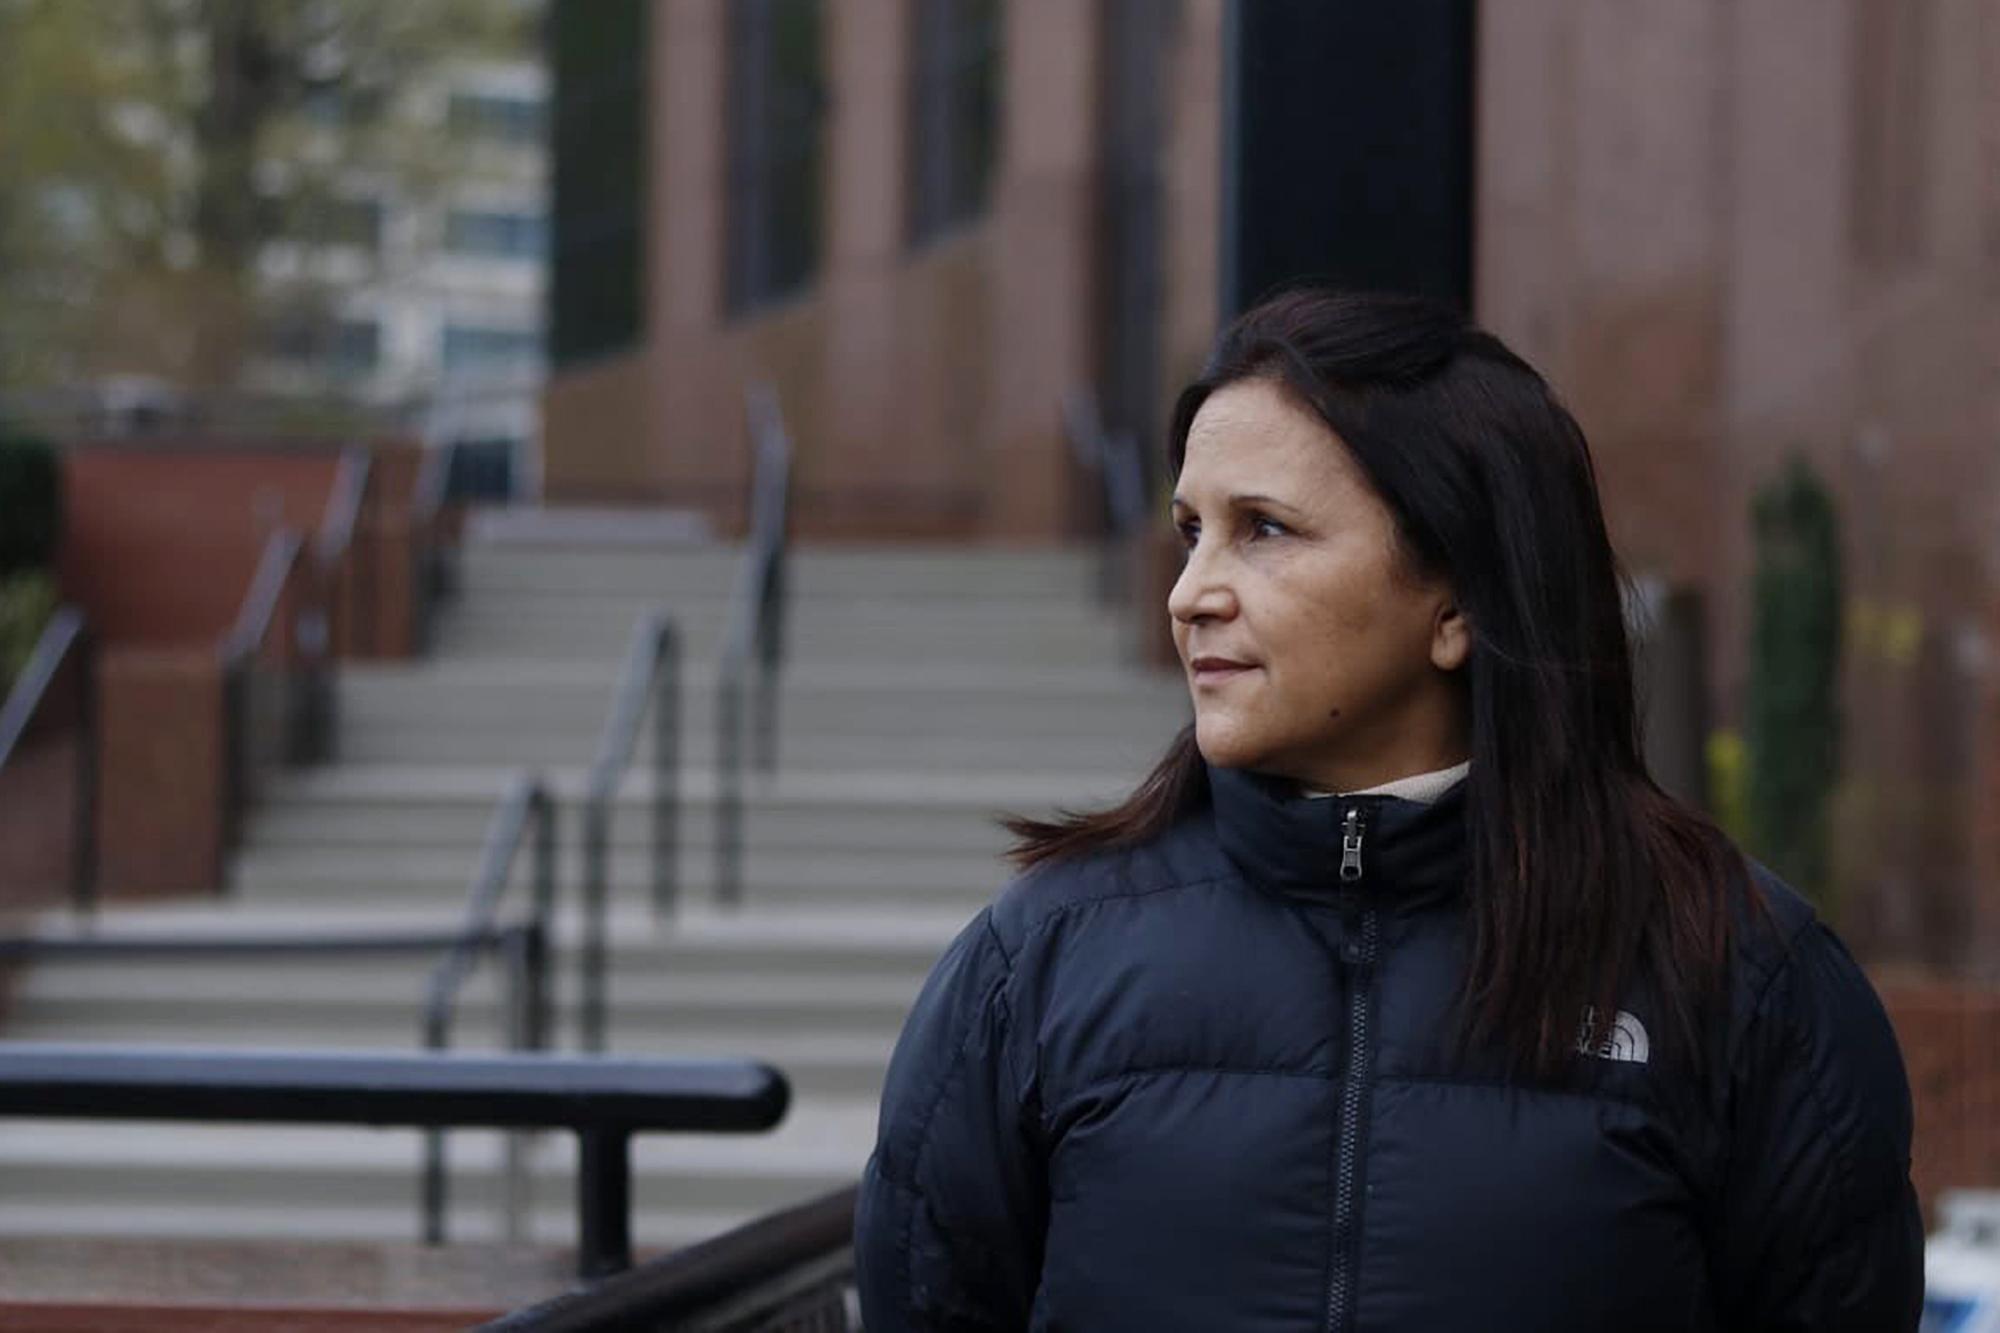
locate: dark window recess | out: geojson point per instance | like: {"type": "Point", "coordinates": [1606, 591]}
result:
{"type": "Point", "coordinates": [493, 116]}
{"type": "Point", "coordinates": [954, 112]}
{"type": "Point", "coordinates": [776, 134]}
{"type": "Point", "coordinates": [341, 347]}
{"type": "Point", "coordinates": [480, 470]}
{"type": "Point", "coordinates": [468, 346]}
{"type": "Point", "coordinates": [597, 53]}
{"type": "Point", "coordinates": [494, 235]}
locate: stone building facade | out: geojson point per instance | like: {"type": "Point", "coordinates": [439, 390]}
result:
{"type": "Point", "coordinates": [1728, 233]}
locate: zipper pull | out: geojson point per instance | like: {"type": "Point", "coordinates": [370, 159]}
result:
{"type": "Point", "coordinates": [1350, 847]}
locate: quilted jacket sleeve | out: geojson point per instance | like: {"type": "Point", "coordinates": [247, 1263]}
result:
{"type": "Point", "coordinates": [948, 1230]}
{"type": "Point", "coordinates": [1820, 1231]}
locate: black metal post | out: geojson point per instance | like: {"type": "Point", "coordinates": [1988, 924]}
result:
{"type": "Point", "coordinates": [729, 794]}
{"type": "Point", "coordinates": [770, 651]}
{"type": "Point", "coordinates": [521, 1021]}
{"type": "Point", "coordinates": [596, 890]}
{"type": "Point", "coordinates": [666, 773]}
{"type": "Point", "coordinates": [83, 859]}
{"type": "Point", "coordinates": [540, 997]}
{"type": "Point", "coordinates": [431, 1187]}
{"type": "Point", "coordinates": [604, 1201]}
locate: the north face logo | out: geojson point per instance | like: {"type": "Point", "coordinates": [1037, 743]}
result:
{"type": "Point", "coordinates": [1625, 1041]}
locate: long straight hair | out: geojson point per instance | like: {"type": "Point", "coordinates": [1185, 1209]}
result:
{"type": "Point", "coordinates": [1583, 872]}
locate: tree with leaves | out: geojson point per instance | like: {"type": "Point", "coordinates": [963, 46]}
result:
{"type": "Point", "coordinates": [140, 144]}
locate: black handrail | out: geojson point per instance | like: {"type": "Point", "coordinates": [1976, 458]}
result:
{"type": "Point", "coordinates": [66, 634]}
{"type": "Point", "coordinates": [792, 1270]}
{"type": "Point", "coordinates": [523, 947]}
{"type": "Point", "coordinates": [301, 731]}
{"type": "Point", "coordinates": [343, 503]}
{"type": "Point", "coordinates": [1116, 460]}
{"type": "Point", "coordinates": [651, 677]}
{"type": "Point", "coordinates": [259, 610]}
{"type": "Point", "coordinates": [334, 544]}
{"type": "Point", "coordinates": [432, 577]}
{"type": "Point", "coordinates": [525, 956]}
{"type": "Point", "coordinates": [604, 1101]}
{"type": "Point", "coordinates": [756, 629]}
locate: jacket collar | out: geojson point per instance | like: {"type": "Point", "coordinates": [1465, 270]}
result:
{"type": "Point", "coordinates": [1411, 853]}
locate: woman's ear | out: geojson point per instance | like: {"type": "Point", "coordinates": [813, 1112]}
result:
{"type": "Point", "coordinates": [1451, 639]}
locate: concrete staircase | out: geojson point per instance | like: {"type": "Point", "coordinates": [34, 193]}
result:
{"type": "Point", "coordinates": [927, 690]}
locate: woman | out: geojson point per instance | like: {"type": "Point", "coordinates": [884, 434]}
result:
{"type": "Point", "coordinates": [1398, 997]}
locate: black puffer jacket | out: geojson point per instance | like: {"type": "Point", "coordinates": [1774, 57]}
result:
{"type": "Point", "coordinates": [1193, 1086]}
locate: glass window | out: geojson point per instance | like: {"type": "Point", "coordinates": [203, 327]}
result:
{"type": "Point", "coordinates": [954, 112]}
{"type": "Point", "coordinates": [355, 347]}
{"type": "Point", "coordinates": [777, 105]}
{"type": "Point", "coordinates": [498, 117]}
{"type": "Point", "coordinates": [495, 235]}
{"type": "Point", "coordinates": [471, 347]}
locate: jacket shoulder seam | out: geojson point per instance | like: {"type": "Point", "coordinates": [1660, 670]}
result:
{"type": "Point", "coordinates": [1050, 915]}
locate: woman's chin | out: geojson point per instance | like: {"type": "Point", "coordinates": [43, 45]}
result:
{"type": "Point", "coordinates": [1225, 745]}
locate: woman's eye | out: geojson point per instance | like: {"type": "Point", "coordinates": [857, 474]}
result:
{"type": "Point", "coordinates": [1190, 534]}
{"type": "Point", "coordinates": [1268, 527]}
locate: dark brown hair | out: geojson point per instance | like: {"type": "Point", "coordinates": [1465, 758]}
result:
{"type": "Point", "coordinates": [1582, 870]}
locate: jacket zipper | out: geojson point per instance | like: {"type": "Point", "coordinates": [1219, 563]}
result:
{"type": "Point", "coordinates": [1357, 953]}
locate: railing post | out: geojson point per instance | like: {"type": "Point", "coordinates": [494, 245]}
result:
{"type": "Point", "coordinates": [604, 1201]}
{"type": "Point", "coordinates": [541, 916]}
{"type": "Point", "coordinates": [83, 857]}
{"type": "Point", "coordinates": [520, 951]}
{"type": "Point", "coordinates": [770, 646]}
{"type": "Point", "coordinates": [729, 794]}
{"type": "Point", "coordinates": [596, 890]}
{"type": "Point", "coordinates": [431, 1188]}
{"type": "Point", "coordinates": [666, 772]}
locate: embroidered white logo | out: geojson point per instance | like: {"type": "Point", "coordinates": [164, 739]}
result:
{"type": "Point", "coordinates": [1626, 1041]}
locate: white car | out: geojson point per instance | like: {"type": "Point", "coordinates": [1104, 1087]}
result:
{"type": "Point", "coordinates": [1962, 1265]}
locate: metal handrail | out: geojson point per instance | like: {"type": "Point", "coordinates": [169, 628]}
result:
{"type": "Point", "coordinates": [67, 632]}
{"type": "Point", "coordinates": [343, 503]}
{"type": "Point", "coordinates": [432, 576]}
{"type": "Point", "coordinates": [651, 676]}
{"type": "Point", "coordinates": [755, 627]}
{"type": "Point", "coordinates": [605, 1102]}
{"type": "Point", "coordinates": [525, 955]}
{"type": "Point", "coordinates": [790, 1270]}
{"type": "Point", "coordinates": [1116, 460]}
{"type": "Point", "coordinates": [334, 546]}
{"type": "Point", "coordinates": [259, 610]}
{"type": "Point", "coordinates": [521, 945]}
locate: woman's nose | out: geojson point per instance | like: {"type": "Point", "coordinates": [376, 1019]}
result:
{"type": "Point", "coordinates": [1200, 593]}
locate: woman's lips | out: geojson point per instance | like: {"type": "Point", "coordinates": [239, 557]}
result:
{"type": "Point", "coordinates": [1216, 670]}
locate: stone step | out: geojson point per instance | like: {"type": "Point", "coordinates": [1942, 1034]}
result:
{"type": "Point", "coordinates": [356, 876]}
{"type": "Point", "coordinates": [701, 941]}
{"type": "Point", "coordinates": [814, 573]}
{"type": "Point", "coordinates": [461, 826]}
{"type": "Point", "coordinates": [181, 1219]}
{"type": "Point", "coordinates": [304, 995]}
{"type": "Point", "coordinates": [943, 754]}
{"type": "Point", "coordinates": [275, 1167]}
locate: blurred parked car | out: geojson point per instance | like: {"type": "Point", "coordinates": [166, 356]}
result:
{"type": "Point", "coordinates": [1962, 1265]}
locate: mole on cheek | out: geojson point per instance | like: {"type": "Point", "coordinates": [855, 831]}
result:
{"type": "Point", "coordinates": [1332, 713]}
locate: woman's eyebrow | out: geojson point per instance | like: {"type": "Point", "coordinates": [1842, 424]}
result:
{"type": "Point", "coordinates": [1246, 500]}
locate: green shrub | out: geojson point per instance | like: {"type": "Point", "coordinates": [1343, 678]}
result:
{"type": "Point", "coordinates": [30, 504]}
{"type": "Point", "coordinates": [26, 603]}
{"type": "Point", "coordinates": [1793, 717]}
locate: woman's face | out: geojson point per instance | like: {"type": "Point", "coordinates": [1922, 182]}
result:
{"type": "Point", "coordinates": [1311, 652]}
